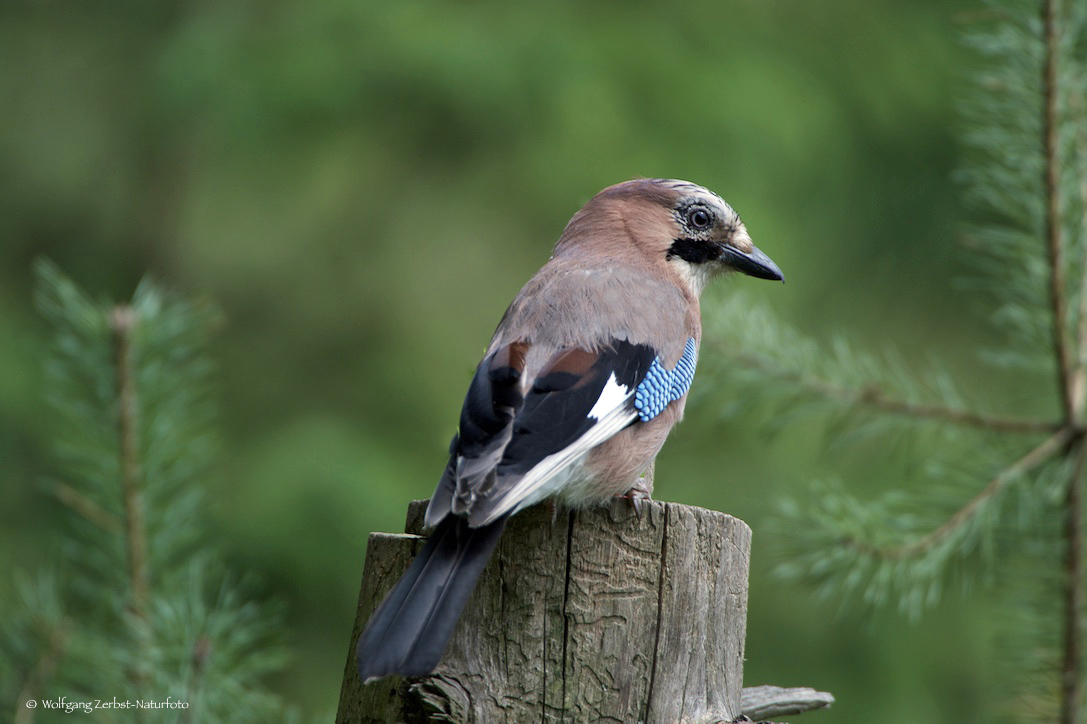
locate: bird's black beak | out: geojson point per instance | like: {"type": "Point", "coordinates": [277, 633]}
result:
{"type": "Point", "coordinates": [753, 263]}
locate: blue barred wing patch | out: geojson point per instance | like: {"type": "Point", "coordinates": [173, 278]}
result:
{"type": "Point", "coordinates": [663, 386]}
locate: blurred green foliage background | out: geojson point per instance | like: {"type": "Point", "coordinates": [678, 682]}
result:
{"type": "Point", "coordinates": [362, 187]}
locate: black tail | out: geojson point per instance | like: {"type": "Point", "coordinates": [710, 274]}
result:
{"type": "Point", "coordinates": [409, 631]}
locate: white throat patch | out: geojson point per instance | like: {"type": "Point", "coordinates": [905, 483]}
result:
{"type": "Point", "coordinates": [695, 276]}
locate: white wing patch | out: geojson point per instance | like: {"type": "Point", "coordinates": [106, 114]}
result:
{"type": "Point", "coordinates": [612, 414]}
{"type": "Point", "coordinates": [612, 396]}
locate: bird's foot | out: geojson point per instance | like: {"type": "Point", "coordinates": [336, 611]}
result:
{"type": "Point", "coordinates": [637, 495]}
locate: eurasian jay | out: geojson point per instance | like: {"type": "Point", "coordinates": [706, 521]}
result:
{"type": "Point", "coordinates": [584, 378]}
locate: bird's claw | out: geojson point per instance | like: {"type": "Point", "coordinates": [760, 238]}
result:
{"type": "Point", "coordinates": [636, 496]}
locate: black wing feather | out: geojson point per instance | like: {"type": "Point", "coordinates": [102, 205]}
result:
{"type": "Point", "coordinates": [555, 412]}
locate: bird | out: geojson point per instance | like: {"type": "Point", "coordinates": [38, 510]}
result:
{"type": "Point", "coordinates": [586, 374]}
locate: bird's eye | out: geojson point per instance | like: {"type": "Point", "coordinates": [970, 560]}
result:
{"type": "Point", "coordinates": [699, 218]}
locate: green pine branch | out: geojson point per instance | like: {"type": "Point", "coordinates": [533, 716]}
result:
{"type": "Point", "coordinates": [138, 607]}
{"type": "Point", "coordinates": [991, 484]}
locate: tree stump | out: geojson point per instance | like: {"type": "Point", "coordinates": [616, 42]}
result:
{"type": "Point", "coordinates": [590, 615]}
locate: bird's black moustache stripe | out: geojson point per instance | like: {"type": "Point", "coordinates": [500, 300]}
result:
{"type": "Point", "coordinates": [693, 251]}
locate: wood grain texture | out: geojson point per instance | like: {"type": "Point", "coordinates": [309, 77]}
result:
{"type": "Point", "coordinates": [590, 615]}
{"type": "Point", "coordinates": [387, 557]}
{"type": "Point", "coordinates": [703, 616]}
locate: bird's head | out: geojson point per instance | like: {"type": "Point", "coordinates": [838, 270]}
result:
{"type": "Point", "coordinates": [677, 223]}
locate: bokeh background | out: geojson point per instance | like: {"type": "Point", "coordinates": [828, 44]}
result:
{"type": "Point", "coordinates": [362, 187]}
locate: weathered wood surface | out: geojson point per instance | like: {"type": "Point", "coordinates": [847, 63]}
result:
{"type": "Point", "coordinates": [593, 615]}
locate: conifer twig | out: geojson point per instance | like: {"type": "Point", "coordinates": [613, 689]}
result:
{"type": "Point", "coordinates": [1075, 575]}
{"type": "Point", "coordinates": [872, 396]}
{"type": "Point", "coordinates": [1072, 657]}
{"type": "Point", "coordinates": [1071, 380]}
{"type": "Point", "coordinates": [1054, 229]}
{"type": "Point", "coordinates": [122, 320]}
{"type": "Point", "coordinates": [1079, 389]}
{"type": "Point", "coordinates": [87, 508]}
{"type": "Point", "coordinates": [1037, 456]}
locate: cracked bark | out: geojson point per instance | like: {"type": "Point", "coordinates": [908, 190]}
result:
{"type": "Point", "coordinates": [597, 615]}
